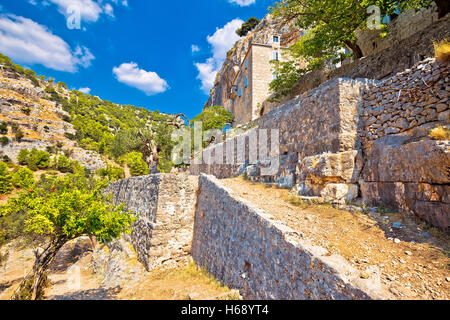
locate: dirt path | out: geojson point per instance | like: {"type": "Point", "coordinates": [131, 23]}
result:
{"type": "Point", "coordinates": [413, 263]}
{"type": "Point", "coordinates": [72, 278]}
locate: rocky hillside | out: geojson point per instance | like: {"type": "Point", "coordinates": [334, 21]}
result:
{"type": "Point", "coordinates": [33, 121]}
{"type": "Point", "coordinates": [46, 115]}
{"type": "Point", "coordinates": [261, 34]}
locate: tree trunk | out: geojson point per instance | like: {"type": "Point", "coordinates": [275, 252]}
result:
{"type": "Point", "coordinates": [30, 287]}
{"type": "Point", "coordinates": [357, 52]}
{"type": "Point", "coordinates": [443, 7]}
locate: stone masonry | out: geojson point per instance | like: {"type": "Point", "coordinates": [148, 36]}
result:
{"type": "Point", "coordinates": [245, 248]}
{"type": "Point", "coordinates": [359, 138]}
{"type": "Point", "coordinates": [164, 205]}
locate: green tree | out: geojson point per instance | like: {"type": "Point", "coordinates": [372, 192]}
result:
{"type": "Point", "coordinates": [64, 164]}
{"type": "Point", "coordinates": [5, 179]}
{"type": "Point", "coordinates": [63, 212]}
{"type": "Point", "coordinates": [331, 26]}
{"type": "Point", "coordinates": [138, 167]}
{"type": "Point", "coordinates": [23, 156]}
{"type": "Point", "coordinates": [34, 159]}
{"type": "Point", "coordinates": [215, 117]}
{"type": "Point", "coordinates": [247, 26]}
{"type": "Point", "coordinates": [23, 178]}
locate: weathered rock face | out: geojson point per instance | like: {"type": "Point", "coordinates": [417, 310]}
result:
{"type": "Point", "coordinates": [236, 55]}
{"type": "Point", "coordinates": [245, 248]}
{"type": "Point", "coordinates": [164, 205]}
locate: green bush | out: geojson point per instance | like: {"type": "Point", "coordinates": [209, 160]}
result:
{"type": "Point", "coordinates": [3, 127]}
{"type": "Point", "coordinates": [23, 178]}
{"type": "Point", "coordinates": [5, 179]}
{"type": "Point", "coordinates": [64, 164]}
{"type": "Point", "coordinates": [34, 159]}
{"type": "Point", "coordinates": [138, 167]}
{"type": "Point", "coordinates": [19, 135]}
{"type": "Point", "coordinates": [4, 140]}
{"type": "Point", "coordinates": [112, 173]}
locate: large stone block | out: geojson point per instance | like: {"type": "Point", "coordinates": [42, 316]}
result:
{"type": "Point", "coordinates": [421, 161]}
{"type": "Point", "coordinates": [431, 202]}
{"type": "Point", "coordinates": [331, 167]}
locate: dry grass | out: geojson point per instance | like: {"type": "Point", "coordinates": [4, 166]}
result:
{"type": "Point", "coordinates": [182, 283]}
{"type": "Point", "coordinates": [442, 50]}
{"type": "Point", "coordinates": [440, 133]}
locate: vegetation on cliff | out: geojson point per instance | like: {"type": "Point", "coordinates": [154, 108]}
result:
{"type": "Point", "coordinates": [247, 26]}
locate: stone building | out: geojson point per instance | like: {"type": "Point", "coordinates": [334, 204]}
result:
{"type": "Point", "coordinates": [250, 86]}
{"type": "Point", "coordinates": [242, 83]}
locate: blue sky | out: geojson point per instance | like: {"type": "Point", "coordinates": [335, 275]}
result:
{"type": "Point", "coordinates": [161, 55]}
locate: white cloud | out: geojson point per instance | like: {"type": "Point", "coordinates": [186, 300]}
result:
{"type": "Point", "coordinates": [221, 41]}
{"type": "Point", "coordinates": [146, 81]}
{"type": "Point", "coordinates": [85, 90]}
{"type": "Point", "coordinates": [90, 10]}
{"type": "Point", "coordinates": [195, 48]}
{"type": "Point", "coordinates": [26, 41]}
{"type": "Point", "coordinates": [242, 3]}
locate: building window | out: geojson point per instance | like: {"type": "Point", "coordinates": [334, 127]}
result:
{"type": "Point", "coordinates": [246, 64]}
{"type": "Point", "coordinates": [240, 92]}
{"type": "Point", "coordinates": [276, 39]}
{"type": "Point", "coordinates": [246, 82]}
{"type": "Point", "coordinates": [275, 55]}
{"type": "Point", "coordinates": [274, 76]}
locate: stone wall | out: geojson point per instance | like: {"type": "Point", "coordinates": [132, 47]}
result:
{"type": "Point", "coordinates": [404, 167]}
{"type": "Point", "coordinates": [321, 121]}
{"type": "Point", "coordinates": [400, 28]}
{"type": "Point", "coordinates": [245, 248]}
{"type": "Point", "coordinates": [164, 205]}
{"type": "Point", "coordinates": [359, 138]}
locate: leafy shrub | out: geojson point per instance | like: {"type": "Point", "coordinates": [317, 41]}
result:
{"type": "Point", "coordinates": [23, 178]}
{"type": "Point", "coordinates": [112, 173]}
{"type": "Point", "coordinates": [4, 140]}
{"type": "Point", "coordinates": [3, 127]}
{"type": "Point", "coordinates": [64, 164]}
{"type": "Point", "coordinates": [19, 135]}
{"type": "Point", "coordinates": [34, 159]}
{"type": "Point", "coordinates": [5, 179]}
{"type": "Point", "coordinates": [247, 26]}
{"type": "Point", "coordinates": [26, 110]}
{"type": "Point", "coordinates": [138, 167]}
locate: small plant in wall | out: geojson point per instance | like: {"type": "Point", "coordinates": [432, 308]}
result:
{"type": "Point", "coordinates": [442, 50]}
{"type": "Point", "coordinates": [440, 133]}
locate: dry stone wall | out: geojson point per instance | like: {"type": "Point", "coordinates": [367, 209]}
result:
{"type": "Point", "coordinates": [361, 138]}
{"type": "Point", "coordinates": [404, 167]}
{"type": "Point", "coordinates": [322, 121]}
{"type": "Point", "coordinates": [245, 248]}
{"type": "Point", "coordinates": [164, 205]}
